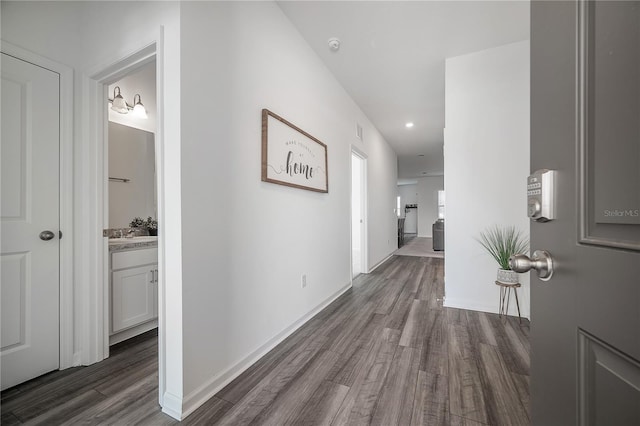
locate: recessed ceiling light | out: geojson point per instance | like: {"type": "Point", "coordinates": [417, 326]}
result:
{"type": "Point", "coordinates": [408, 125]}
{"type": "Point", "coordinates": [424, 173]}
{"type": "Point", "coordinates": [420, 155]}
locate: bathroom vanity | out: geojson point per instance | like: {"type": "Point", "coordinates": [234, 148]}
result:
{"type": "Point", "coordinates": [133, 265]}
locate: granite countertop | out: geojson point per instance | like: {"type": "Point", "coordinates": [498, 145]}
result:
{"type": "Point", "coordinates": [119, 244]}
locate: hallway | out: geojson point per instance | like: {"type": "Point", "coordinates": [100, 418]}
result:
{"type": "Point", "coordinates": [386, 352]}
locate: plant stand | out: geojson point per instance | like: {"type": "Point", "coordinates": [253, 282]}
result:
{"type": "Point", "coordinates": [505, 293]}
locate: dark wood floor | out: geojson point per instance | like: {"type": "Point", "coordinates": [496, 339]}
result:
{"type": "Point", "coordinates": [385, 353]}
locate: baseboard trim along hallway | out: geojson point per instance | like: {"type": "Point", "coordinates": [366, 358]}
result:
{"type": "Point", "coordinates": [214, 385]}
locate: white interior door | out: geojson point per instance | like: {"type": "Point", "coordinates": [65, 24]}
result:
{"type": "Point", "coordinates": [356, 217]}
{"type": "Point", "coordinates": [357, 214]}
{"type": "Point", "coordinates": [30, 221]}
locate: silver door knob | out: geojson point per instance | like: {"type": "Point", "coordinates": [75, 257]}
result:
{"type": "Point", "coordinates": [47, 235]}
{"type": "Point", "coordinates": [541, 262]}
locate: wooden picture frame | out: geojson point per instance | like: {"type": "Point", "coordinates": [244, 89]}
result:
{"type": "Point", "coordinates": [291, 156]}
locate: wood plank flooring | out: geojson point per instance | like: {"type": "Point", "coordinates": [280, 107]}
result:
{"type": "Point", "coordinates": [384, 353]}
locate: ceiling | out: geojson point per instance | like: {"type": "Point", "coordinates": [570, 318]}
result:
{"type": "Point", "coordinates": [392, 60]}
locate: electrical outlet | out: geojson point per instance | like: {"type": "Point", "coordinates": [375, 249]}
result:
{"type": "Point", "coordinates": [304, 280]}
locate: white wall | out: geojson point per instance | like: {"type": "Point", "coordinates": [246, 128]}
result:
{"type": "Point", "coordinates": [428, 188]}
{"type": "Point", "coordinates": [486, 166]}
{"type": "Point", "coordinates": [382, 177]}
{"type": "Point", "coordinates": [242, 271]}
{"type": "Point", "coordinates": [131, 156]}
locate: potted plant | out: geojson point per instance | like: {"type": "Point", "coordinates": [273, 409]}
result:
{"type": "Point", "coordinates": [502, 243]}
{"type": "Point", "coordinates": [150, 224]}
{"type": "Point", "coordinates": [137, 222]}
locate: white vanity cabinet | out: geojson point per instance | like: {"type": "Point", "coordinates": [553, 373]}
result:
{"type": "Point", "coordinates": [134, 292]}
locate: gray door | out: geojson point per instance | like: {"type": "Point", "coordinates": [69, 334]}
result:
{"type": "Point", "coordinates": [585, 123]}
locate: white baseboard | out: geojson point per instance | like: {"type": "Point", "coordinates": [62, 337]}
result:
{"type": "Point", "coordinates": [172, 405]}
{"type": "Point", "coordinates": [132, 332]}
{"type": "Point", "coordinates": [381, 262]}
{"type": "Point", "coordinates": [472, 305]}
{"type": "Point", "coordinates": [202, 394]}
{"type": "Point", "coordinates": [77, 359]}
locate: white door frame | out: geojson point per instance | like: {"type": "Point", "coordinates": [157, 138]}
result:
{"type": "Point", "coordinates": [93, 309]}
{"type": "Point", "coordinates": [364, 202]}
{"type": "Point", "coordinates": [102, 81]}
{"type": "Point", "coordinates": [67, 358]}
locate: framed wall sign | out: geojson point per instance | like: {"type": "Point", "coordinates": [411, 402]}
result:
{"type": "Point", "coordinates": [291, 156]}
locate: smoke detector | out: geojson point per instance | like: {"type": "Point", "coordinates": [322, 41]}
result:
{"type": "Point", "coordinates": [334, 44]}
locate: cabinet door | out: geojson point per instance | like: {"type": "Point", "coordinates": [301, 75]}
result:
{"type": "Point", "coordinates": [133, 297]}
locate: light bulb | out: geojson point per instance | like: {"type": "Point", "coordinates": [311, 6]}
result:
{"type": "Point", "coordinates": [138, 109]}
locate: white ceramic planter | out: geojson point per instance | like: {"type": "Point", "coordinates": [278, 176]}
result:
{"type": "Point", "coordinates": [507, 276]}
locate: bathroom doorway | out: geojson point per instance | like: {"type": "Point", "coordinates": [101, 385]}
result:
{"type": "Point", "coordinates": [99, 83]}
{"type": "Point", "coordinates": [130, 205]}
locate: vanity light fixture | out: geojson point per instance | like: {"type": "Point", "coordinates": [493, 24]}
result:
{"type": "Point", "coordinates": [138, 109]}
{"type": "Point", "coordinates": [118, 104]}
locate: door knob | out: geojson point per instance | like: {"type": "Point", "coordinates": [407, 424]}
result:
{"type": "Point", "coordinates": [46, 235]}
{"type": "Point", "coordinates": [541, 262]}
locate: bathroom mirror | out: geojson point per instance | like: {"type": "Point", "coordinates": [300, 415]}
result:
{"type": "Point", "coordinates": [132, 177]}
